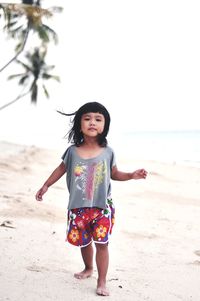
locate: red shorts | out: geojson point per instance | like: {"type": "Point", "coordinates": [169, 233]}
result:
{"type": "Point", "coordinates": [90, 224]}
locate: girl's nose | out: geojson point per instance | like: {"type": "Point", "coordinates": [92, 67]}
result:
{"type": "Point", "coordinates": [92, 122]}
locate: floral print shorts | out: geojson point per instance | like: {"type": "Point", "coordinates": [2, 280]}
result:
{"type": "Point", "coordinates": [90, 224]}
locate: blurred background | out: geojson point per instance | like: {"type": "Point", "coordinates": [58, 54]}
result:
{"type": "Point", "coordinates": [138, 58]}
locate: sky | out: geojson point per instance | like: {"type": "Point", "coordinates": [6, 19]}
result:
{"type": "Point", "coordinates": [141, 59]}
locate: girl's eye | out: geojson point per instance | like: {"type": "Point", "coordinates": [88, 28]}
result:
{"type": "Point", "coordinates": [98, 119]}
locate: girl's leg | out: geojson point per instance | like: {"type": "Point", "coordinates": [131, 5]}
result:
{"type": "Point", "coordinates": [102, 261]}
{"type": "Point", "coordinates": [87, 255]}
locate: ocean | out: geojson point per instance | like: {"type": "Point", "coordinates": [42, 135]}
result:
{"type": "Point", "coordinates": [166, 146]}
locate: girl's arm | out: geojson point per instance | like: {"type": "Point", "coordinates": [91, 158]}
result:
{"type": "Point", "coordinates": [125, 176]}
{"type": "Point", "coordinates": [54, 177]}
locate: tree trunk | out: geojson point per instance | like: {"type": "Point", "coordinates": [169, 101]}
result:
{"type": "Point", "coordinates": [20, 51]}
{"type": "Point", "coordinates": [16, 99]}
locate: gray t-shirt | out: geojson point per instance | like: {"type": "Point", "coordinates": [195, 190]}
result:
{"type": "Point", "coordinates": [88, 180]}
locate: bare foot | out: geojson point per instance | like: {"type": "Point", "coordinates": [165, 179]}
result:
{"type": "Point", "coordinates": [102, 290]}
{"type": "Point", "coordinates": [84, 274]}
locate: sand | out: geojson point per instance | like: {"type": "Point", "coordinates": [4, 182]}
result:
{"type": "Point", "coordinates": [155, 246]}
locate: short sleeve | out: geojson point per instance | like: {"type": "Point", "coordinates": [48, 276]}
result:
{"type": "Point", "coordinates": [113, 159]}
{"type": "Point", "coordinates": [66, 156]}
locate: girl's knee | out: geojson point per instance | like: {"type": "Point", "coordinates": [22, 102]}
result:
{"type": "Point", "coordinates": [101, 246]}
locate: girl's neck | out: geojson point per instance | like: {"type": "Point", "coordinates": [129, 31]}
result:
{"type": "Point", "coordinates": [89, 149]}
{"type": "Point", "coordinates": [90, 142]}
{"type": "Point", "coordinates": [90, 146]}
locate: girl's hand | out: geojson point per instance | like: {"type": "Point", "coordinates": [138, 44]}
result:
{"type": "Point", "coordinates": [41, 192]}
{"type": "Point", "coordinates": [139, 174]}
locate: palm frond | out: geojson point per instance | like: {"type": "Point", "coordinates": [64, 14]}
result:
{"type": "Point", "coordinates": [49, 76]}
{"type": "Point", "coordinates": [34, 92]}
{"type": "Point", "coordinates": [5, 12]}
{"type": "Point", "coordinates": [14, 32]}
{"type": "Point", "coordinates": [26, 9]}
{"type": "Point", "coordinates": [18, 47]}
{"type": "Point", "coordinates": [56, 77]}
{"type": "Point", "coordinates": [43, 35]}
{"type": "Point", "coordinates": [48, 68]}
{"type": "Point", "coordinates": [27, 67]}
{"type": "Point", "coordinates": [50, 32]}
{"type": "Point", "coordinates": [10, 25]}
{"type": "Point", "coordinates": [35, 69]}
{"type": "Point", "coordinates": [45, 91]}
{"type": "Point", "coordinates": [55, 9]}
{"type": "Point", "coordinates": [13, 76]}
{"type": "Point", "coordinates": [23, 79]}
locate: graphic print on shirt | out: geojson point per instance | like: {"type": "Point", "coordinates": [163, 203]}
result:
{"type": "Point", "coordinates": [89, 177]}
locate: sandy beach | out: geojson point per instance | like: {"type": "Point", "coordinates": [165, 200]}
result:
{"type": "Point", "coordinates": [155, 246]}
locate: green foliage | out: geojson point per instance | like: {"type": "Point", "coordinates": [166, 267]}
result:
{"type": "Point", "coordinates": [21, 20]}
{"type": "Point", "coordinates": [35, 70]}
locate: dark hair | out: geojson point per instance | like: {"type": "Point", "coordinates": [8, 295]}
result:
{"type": "Point", "coordinates": [75, 135]}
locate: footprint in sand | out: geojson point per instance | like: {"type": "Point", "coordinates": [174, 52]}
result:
{"type": "Point", "coordinates": [36, 269]}
{"type": "Point", "coordinates": [197, 252]}
{"type": "Point", "coordinates": [196, 262]}
{"type": "Point", "coordinates": [7, 224]}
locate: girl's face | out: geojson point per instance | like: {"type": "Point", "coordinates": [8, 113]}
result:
{"type": "Point", "coordinates": [92, 124]}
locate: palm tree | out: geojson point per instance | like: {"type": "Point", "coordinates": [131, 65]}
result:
{"type": "Point", "coordinates": [26, 17]}
{"type": "Point", "coordinates": [35, 71]}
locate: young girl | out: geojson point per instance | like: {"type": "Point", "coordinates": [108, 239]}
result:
{"type": "Point", "coordinates": [89, 164]}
